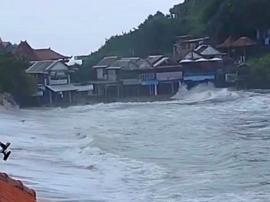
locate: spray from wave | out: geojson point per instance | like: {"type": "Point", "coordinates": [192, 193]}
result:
{"type": "Point", "coordinates": [205, 92]}
{"type": "Point", "coordinates": [7, 102]}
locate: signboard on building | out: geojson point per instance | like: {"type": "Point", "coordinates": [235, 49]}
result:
{"type": "Point", "coordinates": [85, 88]}
{"type": "Point", "coordinates": [149, 82]}
{"type": "Point", "coordinates": [169, 76]}
{"type": "Point", "coordinates": [130, 82]}
{"type": "Point", "coordinates": [59, 82]}
{"type": "Point", "coordinates": [199, 77]}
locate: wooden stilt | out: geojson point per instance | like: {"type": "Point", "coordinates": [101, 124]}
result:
{"type": "Point", "coordinates": [172, 87]}
{"type": "Point", "coordinates": [50, 98]}
{"type": "Point", "coordinates": [150, 90]}
{"type": "Point", "coordinates": [118, 91]}
{"type": "Point", "coordinates": [70, 97]}
{"type": "Point", "coordinates": [156, 89]}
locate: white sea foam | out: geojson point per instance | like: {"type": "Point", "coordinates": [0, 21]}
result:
{"type": "Point", "coordinates": [205, 92]}
{"type": "Point", "coordinates": [137, 152]}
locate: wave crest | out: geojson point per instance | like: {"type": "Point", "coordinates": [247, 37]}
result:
{"type": "Point", "coordinates": [206, 92]}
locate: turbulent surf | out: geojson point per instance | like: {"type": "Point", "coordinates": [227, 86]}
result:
{"type": "Point", "coordinates": [206, 144]}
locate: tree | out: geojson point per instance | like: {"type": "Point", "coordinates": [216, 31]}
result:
{"type": "Point", "coordinates": [13, 78]}
{"type": "Point", "coordinates": [236, 18]}
{"type": "Point", "coordinates": [259, 73]}
{"type": "Point", "coordinates": [216, 18]}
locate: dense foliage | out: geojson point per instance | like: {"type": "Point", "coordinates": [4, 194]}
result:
{"type": "Point", "coordinates": [154, 36]}
{"type": "Point", "coordinates": [236, 18]}
{"type": "Point", "coordinates": [257, 74]}
{"type": "Point", "coordinates": [13, 78]}
{"type": "Point", "coordinates": [82, 75]}
{"type": "Point", "coordinates": [217, 18]}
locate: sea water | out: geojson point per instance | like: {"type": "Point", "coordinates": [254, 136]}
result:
{"type": "Point", "coordinates": [205, 144]}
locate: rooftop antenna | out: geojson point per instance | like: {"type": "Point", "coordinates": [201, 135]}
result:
{"type": "Point", "coordinates": [3, 150]}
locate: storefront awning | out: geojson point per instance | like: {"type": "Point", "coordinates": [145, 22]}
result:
{"type": "Point", "coordinates": [85, 88]}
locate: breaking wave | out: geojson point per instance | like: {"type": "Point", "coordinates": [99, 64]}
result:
{"type": "Point", "coordinates": [206, 92]}
{"type": "Point", "coordinates": [157, 152]}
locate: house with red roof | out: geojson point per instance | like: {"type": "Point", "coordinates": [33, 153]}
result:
{"type": "Point", "coordinates": [26, 51]}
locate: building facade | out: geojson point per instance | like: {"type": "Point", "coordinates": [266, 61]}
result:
{"type": "Point", "coordinates": [53, 84]}
{"type": "Point", "coordinates": [137, 77]}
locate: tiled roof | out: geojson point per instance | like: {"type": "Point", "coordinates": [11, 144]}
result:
{"type": "Point", "coordinates": [129, 64]}
{"type": "Point", "coordinates": [125, 64]}
{"type": "Point", "coordinates": [41, 66]}
{"type": "Point", "coordinates": [106, 62]}
{"type": "Point", "coordinates": [136, 63]}
{"type": "Point", "coordinates": [25, 50]}
{"type": "Point", "coordinates": [154, 58]}
{"type": "Point", "coordinates": [192, 56]}
{"type": "Point", "coordinates": [210, 51]}
{"type": "Point", "coordinates": [144, 64]}
{"type": "Point", "coordinates": [241, 42]}
{"type": "Point", "coordinates": [162, 61]}
{"type": "Point", "coordinates": [201, 48]}
{"type": "Point", "coordinates": [48, 54]}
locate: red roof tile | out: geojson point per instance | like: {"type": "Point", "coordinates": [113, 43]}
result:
{"type": "Point", "coordinates": [48, 54]}
{"type": "Point", "coordinates": [25, 50]}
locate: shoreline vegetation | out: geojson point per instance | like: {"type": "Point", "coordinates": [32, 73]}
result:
{"type": "Point", "coordinates": [217, 19]}
{"type": "Point", "coordinates": [15, 84]}
{"type": "Point", "coordinates": [258, 73]}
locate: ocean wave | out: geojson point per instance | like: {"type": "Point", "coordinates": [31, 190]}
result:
{"type": "Point", "coordinates": [205, 93]}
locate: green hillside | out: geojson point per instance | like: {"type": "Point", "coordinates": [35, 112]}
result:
{"type": "Point", "coordinates": [156, 35]}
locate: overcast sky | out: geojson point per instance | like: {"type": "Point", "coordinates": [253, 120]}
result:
{"type": "Point", "coordinates": [73, 27]}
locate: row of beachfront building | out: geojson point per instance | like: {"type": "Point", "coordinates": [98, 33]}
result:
{"type": "Point", "coordinates": [194, 60]}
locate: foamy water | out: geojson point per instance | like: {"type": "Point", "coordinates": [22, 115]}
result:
{"type": "Point", "coordinates": [205, 145]}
